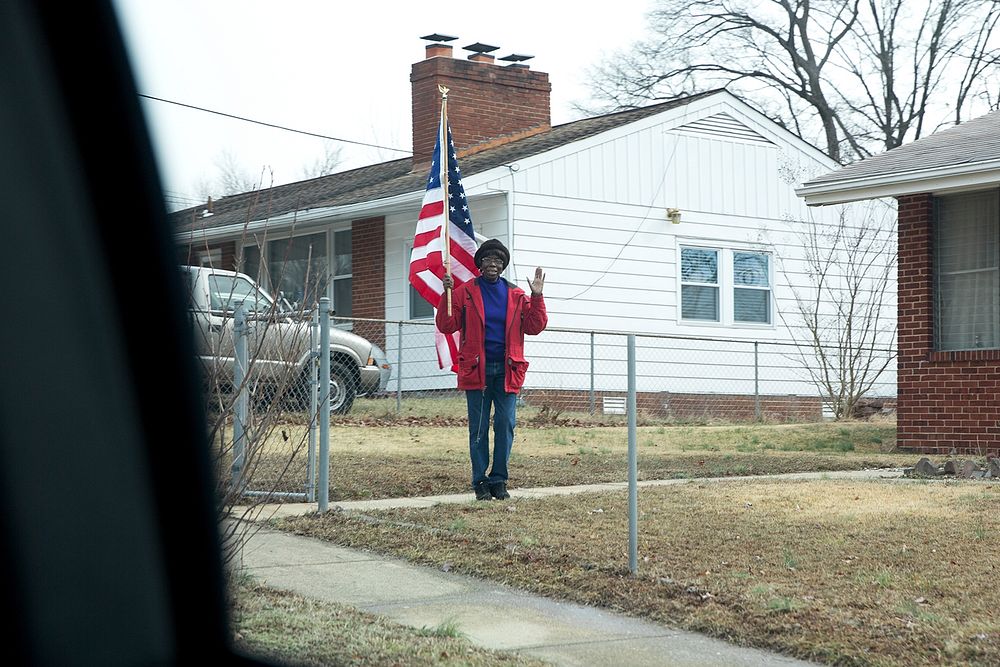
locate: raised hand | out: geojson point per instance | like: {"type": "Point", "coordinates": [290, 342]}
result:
{"type": "Point", "coordinates": [538, 283]}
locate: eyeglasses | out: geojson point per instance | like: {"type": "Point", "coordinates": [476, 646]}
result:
{"type": "Point", "coordinates": [492, 260]}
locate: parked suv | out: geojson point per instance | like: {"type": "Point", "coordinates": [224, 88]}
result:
{"type": "Point", "coordinates": [278, 342]}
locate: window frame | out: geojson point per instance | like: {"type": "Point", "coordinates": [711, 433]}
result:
{"type": "Point", "coordinates": [330, 232]}
{"type": "Point", "coordinates": [410, 292]}
{"type": "Point", "coordinates": [937, 235]}
{"type": "Point", "coordinates": [725, 253]}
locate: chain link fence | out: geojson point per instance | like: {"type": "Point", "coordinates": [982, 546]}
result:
{"type": "Point", "coordinates": [583, 374]}
{"type": "Point", "coordinates": [266, 413]}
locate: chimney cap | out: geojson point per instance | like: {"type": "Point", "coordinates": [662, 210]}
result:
{"type": "Point", "coordinates": [516, 58]}
{"type": "Point", "coordinates": [439, 38]}
{"type": "Point", "coordinates": [479, 47]}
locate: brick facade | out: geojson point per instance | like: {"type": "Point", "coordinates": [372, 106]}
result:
{"type": "Point", "coordinates": [687, 407]}
{"type": "Point", "coordinates": [946, 400]}
{"type": "Point", "coordinates": [486, 101]}
{"type": "Point", "coordinates": [190, 255]}
{"type": "Point", "coordinates": [368, 283]}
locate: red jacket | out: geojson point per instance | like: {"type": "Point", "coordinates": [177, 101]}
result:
{"type": "Point", "coordinates": [525, 315]}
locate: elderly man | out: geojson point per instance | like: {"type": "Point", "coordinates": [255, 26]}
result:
{"type": "Point", "coordinates": [493, 316]}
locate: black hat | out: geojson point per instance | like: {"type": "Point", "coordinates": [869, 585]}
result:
{"type": "Point", "coordinates": [492, 247]}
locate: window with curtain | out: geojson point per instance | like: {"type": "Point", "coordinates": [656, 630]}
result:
{"type": "Point", "coordinates": [700, 284]}
{"type": "Point", "coordinates": [725, 286]}
{"type": "Point", "coordinates": [751, 287]}
{"type": "Point", "coordinates": [967, 271]}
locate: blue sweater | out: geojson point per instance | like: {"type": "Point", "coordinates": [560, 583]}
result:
{"type": "Point", "coordinates": [495, 304]}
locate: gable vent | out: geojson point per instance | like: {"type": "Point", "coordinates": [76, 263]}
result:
{"type": "Point", "coordinates": [722, 125]}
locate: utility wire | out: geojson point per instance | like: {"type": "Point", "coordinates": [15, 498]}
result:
{"type": "Point", "coordinates": [272, 125]}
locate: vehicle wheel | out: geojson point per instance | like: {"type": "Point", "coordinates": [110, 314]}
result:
{"type": "Point", "coordinates": [343, 389]}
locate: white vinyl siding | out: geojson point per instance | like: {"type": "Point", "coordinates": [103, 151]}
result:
{"type": "Point", "coordinates": [967, 275]}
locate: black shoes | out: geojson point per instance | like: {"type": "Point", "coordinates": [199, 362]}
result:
{"type": "Point", "coordinates": [499, 490]}
{"type": "Point", "coordinates": [489, 490]}
{"type": "Point", "coordinates": [483, 491]}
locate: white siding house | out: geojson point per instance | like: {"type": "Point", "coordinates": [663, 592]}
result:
{"type": "Point", "coordinates": [593, 214]}
{"type": "Point", "coordinates": [677, 222]}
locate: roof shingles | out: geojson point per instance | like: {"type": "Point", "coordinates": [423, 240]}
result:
{"type": "Point", "coordinates": [392, 178]}
{"type": "Point", "coordinates": [973, 142]}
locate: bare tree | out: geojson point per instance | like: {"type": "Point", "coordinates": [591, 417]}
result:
{"type": "Point", "coordinates": [325, 164]}
{"type": "Point", "coordinates": [233, 177]}
{"type": "Point", "coordinates": [856, 76]}
{"type": "Point", "coordinates": [844, 309]}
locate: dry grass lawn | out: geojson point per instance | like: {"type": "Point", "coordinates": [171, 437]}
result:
{"type": "Point", "coordinates": [392, 460]}
{"type": "Point", "coordinates": [289, 629]}
{"type": "Point", "coordinates": [850, 573]}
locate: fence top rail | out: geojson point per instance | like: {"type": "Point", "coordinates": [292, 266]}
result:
{"type": "Point", "coordinates": [614, 332]}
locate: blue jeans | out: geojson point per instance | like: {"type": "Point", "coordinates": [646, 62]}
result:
{"type": "Point", "coordinates": [504, 408]}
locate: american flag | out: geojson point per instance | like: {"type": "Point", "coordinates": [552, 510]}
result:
{"type": "Point", "coordinates": [427, 259]}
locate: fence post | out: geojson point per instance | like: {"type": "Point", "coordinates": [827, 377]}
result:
{"type": "Point", "coordinates": [592, 398]}
{"type": "Point", "coordinates": [313, 406]}
{"type": "Point", "coordinates": [240, 407]}
{"type": "Point", "coordinates": [633, 486]}
{"type": "Point", "coordinates": [399, 369]}
{"type": "Point", "coordinates": [756, 384]}
{"type": "Point", "coordinates": [324, 411]}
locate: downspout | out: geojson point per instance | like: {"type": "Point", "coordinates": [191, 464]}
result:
{"type": "Point", "coordinates": [510, 212]}
{"type": "Point", "coordinates": [509, 198]}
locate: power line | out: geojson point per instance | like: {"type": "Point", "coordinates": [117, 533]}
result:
{"type": "Point", "coordinates": [272, 125]}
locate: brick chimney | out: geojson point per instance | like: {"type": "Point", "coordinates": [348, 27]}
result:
{"type": "Point", "coordinates": [488, 104]}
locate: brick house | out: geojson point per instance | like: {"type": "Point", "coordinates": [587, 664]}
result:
{"type": "Point", "coordinates": [646, 221]}
{"type": "Point", "coordinates": [947, 187]}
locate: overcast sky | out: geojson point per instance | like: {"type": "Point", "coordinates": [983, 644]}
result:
{"type": "Point", "coordinates": [333, 68]}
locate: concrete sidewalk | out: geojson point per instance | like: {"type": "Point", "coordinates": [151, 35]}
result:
{"type": "Point", "coordinates": [489, 614]}
{"type": "Point", "coordinates": [297, 509]}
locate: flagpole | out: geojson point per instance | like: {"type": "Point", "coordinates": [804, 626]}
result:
{"type": "Point", "coordinates": [445, 159]}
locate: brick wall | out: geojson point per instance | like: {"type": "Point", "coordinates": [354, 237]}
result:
{"type": "Point", "coordinates": [946, 400]}
{"type": "Point", "coordinates": [485, 102]}
{"type": "Point", "coordinates": [687, 407]}
{"type": "Point", "coordinates": [368, 282]}
{"type": "Point", "coordinates": [189, 255]}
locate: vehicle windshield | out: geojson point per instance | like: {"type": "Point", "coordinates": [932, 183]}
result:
{"type": "Point", "coordinates": [228, 292]}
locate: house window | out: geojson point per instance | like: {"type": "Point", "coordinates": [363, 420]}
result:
{"type": "Point", "coordinates": [211, 258]}
{"type": "Point", "coordinates": [420, 309]}
{"type": "Point", "coordinates": [251, 263]}
{"type": "Point", "coordinates": [297, 268]}
{"type": "Point", "coordinates": [967, 271]}
{"type": "Point", "coordinates": [343, 273]}
{"type": "Point", "coordinates": [751, 287]}
{"type": "Point", "coordinates": [700, 284]}
{"type": "Point", "coordinates": [725, 285]}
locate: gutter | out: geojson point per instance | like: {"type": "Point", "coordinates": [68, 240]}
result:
{"type": "Point", "coordinates": [301, 218]}
{"type": "Point", "coordinates": [938, 179]}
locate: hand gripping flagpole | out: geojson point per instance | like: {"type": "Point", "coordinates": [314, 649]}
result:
{"type": "Point", "coordinates": [445, 163]}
